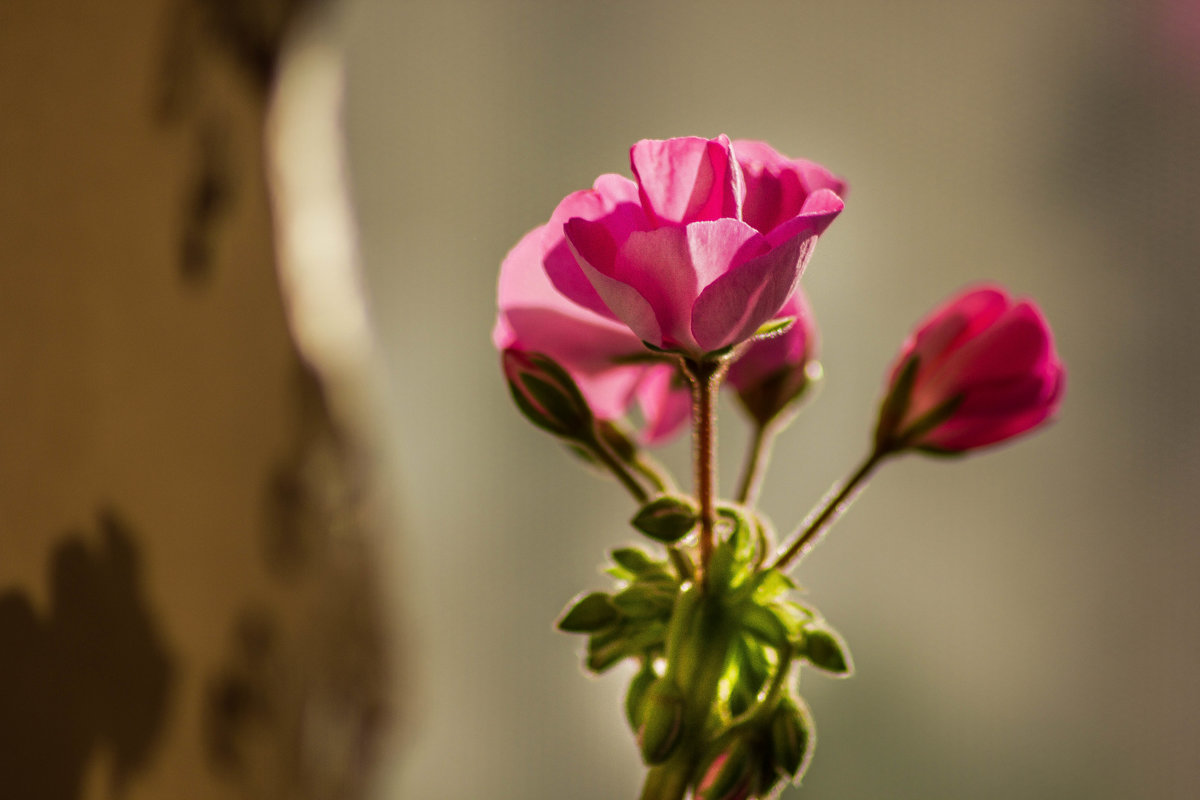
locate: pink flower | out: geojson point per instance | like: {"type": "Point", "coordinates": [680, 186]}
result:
{"type": "Point", "coordinates": [979, 370]}
{"type": "Point", "coordinates": [670, 256]}
{"type": "Point", "coordinates": [772, 373]}
{"type": "Point", "coordinates": [535, 318]}
{"type": "Point", "coordinates": [777, 186]}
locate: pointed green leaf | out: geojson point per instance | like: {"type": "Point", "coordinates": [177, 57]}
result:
{"type": "Point", "coordinates": [635, 561]}
{"type": "Point", "coordinates": [667, 518]}
{"type": "Point", "coordinates": [590, 613]}
{"type": "Point", "coordinates": [773, 327]}
{"type": "Point", "coordinates": [826, 650]}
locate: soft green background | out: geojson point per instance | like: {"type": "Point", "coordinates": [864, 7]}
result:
{"type": "Point", "coordinates": [1024, 622]}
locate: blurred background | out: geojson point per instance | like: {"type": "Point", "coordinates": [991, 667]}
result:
{"type": "Point", "coordinates": [1024, 622]}
{"type": "Point", "coordinates": [247, 528]}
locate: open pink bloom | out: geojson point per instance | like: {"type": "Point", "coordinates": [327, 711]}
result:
{"type": "Point", "coordinates": [986, 371]}
{"type": "Point", "coordinates": [777, 186]}
{"type": "Point", "coordinates": [534, 317]}
{"type": "Point", "coordinates": [670, 255]}
{"type": "Point", "coordinates": [771, 373]}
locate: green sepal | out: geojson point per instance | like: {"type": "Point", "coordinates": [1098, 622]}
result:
{"type": "Point", "coordinates": [548, 396]}
{"type": "Point", "coordinates": [753, 669]}
{"type": "Point", "coordinates": [769, 585]}
{"type": "Point", "coordinates": [645, 599]}
{"type": "Point", "coordinates": [894, 406]}
{"type": "Point", "coordinates": [590, 613]}
{"type": "Point", "coordinates": [763, 623]}
{"type": "Point", "coordinates": [773, 327]}
{"type": "Point", "coordinates": [667, 518]}
{"type": "Point", "coordinates": [662, 721]}
{"type": "Point", "coordinates": [637, 692]}
{"type": "Point", "coordinates": [731, 557]}
{"type": "Point", "coordinates": [628, 639]}
{"type": "Point", "coordinates": [826, 651]}
{"type": "Point", "coordinates": [792, 738]}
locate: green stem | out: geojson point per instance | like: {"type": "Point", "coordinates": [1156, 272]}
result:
{"type": "Point", "coordinates": [618, 468]}
{"type": "Point", "coordinates": [656, 473]}
{"type": "Point", "coordinates": [834, 505]}
{"type": "Point", "coordinates": [756, 459]}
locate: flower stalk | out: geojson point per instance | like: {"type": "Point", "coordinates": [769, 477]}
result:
{"type": "Point", "coordinates": [705, 378]}
{"type": "Point", "coordinates": [830, 510]}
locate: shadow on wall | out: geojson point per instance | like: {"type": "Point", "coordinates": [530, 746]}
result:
{"type": "Point", "coordinates": [93, 674]}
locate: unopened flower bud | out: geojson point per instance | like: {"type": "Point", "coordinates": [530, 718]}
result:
{"type": "Point", "coordinates": [729, 776]}
{"type": "Point", "coordinates": [773, 373]}
{"type": "Point", "coordinates": [547, 395]}
{"type": "Point", "coordinates": [979, 370]}
{"type": "Point", "coordinates": [792, 738]}
{"type": "Point", "coordinates": [661, 721]}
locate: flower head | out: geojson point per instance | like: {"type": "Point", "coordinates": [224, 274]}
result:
{"type": "Point", "coordinates": [977, 371]}
{"type": "Point", "coordinates": [670, 256]}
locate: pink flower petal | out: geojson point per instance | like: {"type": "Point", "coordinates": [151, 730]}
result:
{"type": "Point", "coordinates": [534, 317]}
{"type": "Point", "coordinates": [777, 186]}
{"type": "Point", "coordinates": [687, 179]}
{"type": "Point", "coordinates": [596, 252]}
{"type": "Point", "coordinates": [732, 307]}
{"type": "Point", "coordinates": [666, 403]}
{"type": "Point", "coordinates": [613, 202]}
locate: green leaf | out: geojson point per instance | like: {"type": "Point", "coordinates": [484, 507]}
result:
{"type": "Point", "coordinates": [635, 561]}
{"type": "Point", "coordinates": [773, 327]}
{"type": "Point", "coordinates": [590, 613]}
{"type": "Point", "coordinates": [667, 518]}
{"type": "Point", "coordinates": [825, 650]}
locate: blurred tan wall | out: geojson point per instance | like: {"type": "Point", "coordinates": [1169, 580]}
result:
{"type": "Point", "coordinates": [1024, 622]}
{"type": "Point", "coordinates": [187, 603]}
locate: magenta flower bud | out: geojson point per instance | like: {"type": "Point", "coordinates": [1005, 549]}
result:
{"type": "Point", "coordinates": [979, 370]}
{"type": "Point", "coordinates": [670, 256]}
{"type": "Point", "coordinates": [547, 396]}
{"type": "Point", "coordinates": [729, 776]}
{"type": "Point", "coordinates": [773, 373]}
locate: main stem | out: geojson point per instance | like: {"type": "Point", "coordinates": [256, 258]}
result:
{"type": "Point", "coordinates": [705, 379]}
{"type": "Point", "coordinates": [835, 504]}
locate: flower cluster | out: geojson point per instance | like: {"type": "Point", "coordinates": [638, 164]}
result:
{"type": "Point", "coordinates": [656, 292]}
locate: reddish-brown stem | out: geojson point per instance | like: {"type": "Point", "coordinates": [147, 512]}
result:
{"type": "Point", "coordinates": [832, 507]}
{"type": "Point", "coordinates": [705, 377]}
